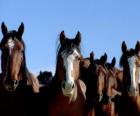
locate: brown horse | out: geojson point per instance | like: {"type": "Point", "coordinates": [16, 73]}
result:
{"type": "Point", "coordinates": [45, 78]}
{"type": "Point", "coordinates": [67, 91]}
{"type": "Point", "coordinates": [94, 74]}
{"type": "Point", "coordinates": [130, 61]}
{"type": "Point", "coordinates": [17, 85]}
{"type": "Point", "coordinates": [112, 89]}
{"type": "Point", "coordinates": [101, 85]}
{"type": "Point", "coordinates": [13, 62]}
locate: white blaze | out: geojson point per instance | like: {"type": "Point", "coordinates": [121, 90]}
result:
{"type": "Point", "coordinates": [11, 45]}
{"type": "Point", "coordinates": [68, 64]}
{"type": "Point", "coordinates": [132, 67]}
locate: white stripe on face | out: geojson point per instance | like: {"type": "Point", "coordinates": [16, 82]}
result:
{"type": "Point", "coordinates": [132, 68]}
{"type": "Point", "coordinates": [68, 64]}
{"type": "Point", "coordinates": [11, 45]}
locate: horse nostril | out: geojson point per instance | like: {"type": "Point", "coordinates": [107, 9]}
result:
{"type": "Point", "coordinates": [15, 82]}
{"type": "Point", "coordinates": [63, 85]}
{"type": "Point", "coordinates": [73, 86]}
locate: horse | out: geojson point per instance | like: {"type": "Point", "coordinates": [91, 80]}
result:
{"type": "Point", "coordinates": [67, 91]}
{"type": "Point", "coordinates": [130, 62]}
{"type": "Point", "coordinates": [93, 73]}
{"type": "Point", "coordinates": [16, 81]}
{"type": "Point", "coordinates": [45, 78]}
{"type": "Point", "coordinates": [113, 92]}
{"type": "Point", "coordinates": [13, 62]}
{"type": "Point", "coordinates": [101, 85]}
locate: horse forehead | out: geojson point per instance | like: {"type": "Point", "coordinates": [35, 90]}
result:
{"type": "Point", "coordinates": [11, 43]}
{"type": "Point", "coordinates": [132, 60]}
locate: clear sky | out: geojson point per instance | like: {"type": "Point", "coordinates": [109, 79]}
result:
{"type": "Point", "coordinates": [104, 24]}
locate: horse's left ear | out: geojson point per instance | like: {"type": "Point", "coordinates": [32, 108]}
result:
{"type": "Point", "coordinates": [62, 38]}
{"type": "Point", "coordinates": [113, 62]}
{"type": "Point", "coordinates": [137, 47]}
{"type": "Point", "coordinates": [78, 38]}
{"type": "Point", "coordinates": [21, 29]}
{"type": "Point", "coordinates": [4, 28]}
{"type": "Point", "coordinates": [124, 47]}
{"type": "Point", "coordinates": [40, 72]}
{"type": "Point", "coordinates": [103, 58]}
{"type": "Point", "coordinates": [91, 57]}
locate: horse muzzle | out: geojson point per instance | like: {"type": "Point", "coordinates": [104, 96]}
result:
{"type": "Point", "coordinates": [133, 91]}
{"type": "Point", "coordinates": [11, 86]}
{"type": "Point", "coordinates": [67, 88]}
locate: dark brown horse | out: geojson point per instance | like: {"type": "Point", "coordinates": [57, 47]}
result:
{"type": "Point", "coordinates": [13, 62]}
{"type": "Point", "coordinates": [67, 91]}
{"type": "Point", "coordinates": [101, 85]}
{"type": "Point", "coordinates": [94, 74]}
{"type": "Point", "coordinates": [130, 61]}
{"type": "Point", "coordinates": [45, 78]}
{"type": "Point", "coordinates": [112, 89]}
{"type": "Point", "coordinates": [17, 84]}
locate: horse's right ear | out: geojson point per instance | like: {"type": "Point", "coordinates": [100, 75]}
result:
{"type": "Point", "coordinates": [113, 62]}
{"type": "Point", "coordinates": [21, 29]}
{"type": "Point", "coordinates": [137, 47]}
{"type": "Point", "coordinates": [91, 57]}
{"type": "Point", "coordinates": [4, 28]}
{"type": "Point", "coordinates": [40, 72]}
{"type": "Point", "coordinates": [124, 47]}
{"type": "Point", "coordinates": [103, 58]}
{"type": "Point", "coordinates": [78, 38]}
{"type": "Point", "coordinates": [62, 38]}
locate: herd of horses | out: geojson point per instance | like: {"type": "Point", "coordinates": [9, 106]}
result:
{"type": "Point", "coordinates": [80, 86]}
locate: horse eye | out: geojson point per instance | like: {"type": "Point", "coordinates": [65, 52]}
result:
{"type": "Point", "coordinates": [72, 45]}
{"type": "Point", "coordinates": [77, 58]}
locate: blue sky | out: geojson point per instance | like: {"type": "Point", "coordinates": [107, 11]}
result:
{"type": "Point", "coordinates": [104, 24]}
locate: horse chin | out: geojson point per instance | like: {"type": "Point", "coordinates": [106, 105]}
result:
{"type": "Point", "coordinates": [10, 88]}
{"type": "Point", "coordinates": [132, 92]}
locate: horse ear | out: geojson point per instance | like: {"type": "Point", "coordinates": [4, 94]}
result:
{"type": "Point", "coordinates": [40, 72]}
{"type": "Point", "coordinates": [91, 57]}
{"type": "Point", "coordinates": [78, 38]}
{"type": "Point", "coordinates": [103, 58]}
{"type": "Point", "coordinates": [124, 47]}
{"type": "Point", "coordinates": [62, 38]}
{"type": "Point", "coordinates": [4, 28]}
{"type": "Point", "coordinates": [137, 47]}
{"type": "Point", "coordinates": [21, 29]}
{"type": "Point", "coordinates": [113, 62]}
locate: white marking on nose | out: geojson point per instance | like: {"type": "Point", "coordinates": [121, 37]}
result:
{"type": "Point", "coordinates": [11, 45]}
{"type": "Point", "coordinates": [68, 64]}
{"type": "Point", "coordinates": [132, 67]}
